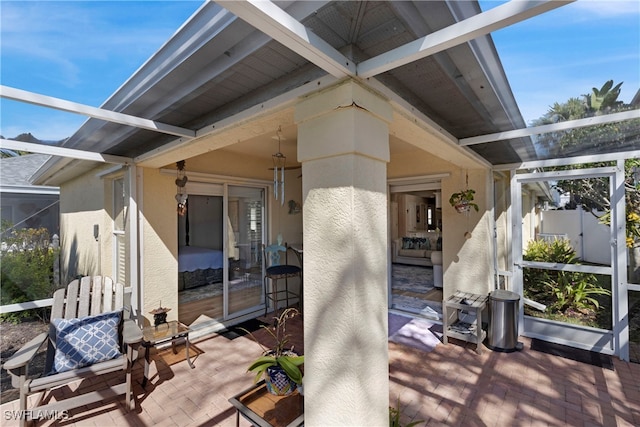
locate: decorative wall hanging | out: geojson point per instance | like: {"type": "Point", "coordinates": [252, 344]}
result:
{"type": "Point", "coordinates": [279, 163]}
{"type": "Point", "coordinates": [294, 207]}
{"type": "Point", "coordinates": [181, 182]}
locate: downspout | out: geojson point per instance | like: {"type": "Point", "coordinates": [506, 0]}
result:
{"type": "Point", "coordinates": [496, 284]}
{"type": "Point", "coordinates": [135, 241]}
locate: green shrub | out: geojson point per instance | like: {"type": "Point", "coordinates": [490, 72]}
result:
{"type": "Point", "coordinates": [562, 291]}
{"type": "Point", "coordinates": [575, 291]}
{"type": "Point", "coordinates": [26, 270]}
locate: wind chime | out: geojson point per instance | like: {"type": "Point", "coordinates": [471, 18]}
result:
{"type": "Point", "coordinates": [279, 162]}
{"type": "Point", "coordinates": [181, 182]}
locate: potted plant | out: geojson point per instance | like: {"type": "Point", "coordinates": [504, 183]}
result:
{"type": "Point", "coordinates": [280, 365]}
{"type": "Point", "coordinates": [463, 200]}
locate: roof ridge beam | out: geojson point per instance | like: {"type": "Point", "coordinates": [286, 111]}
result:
{"type": "Point", "coordinates": [458, 33]}
{"type": "Point", "coordinates": [282, 27]}
{"type": "Point", "coordinates": [97, 113]}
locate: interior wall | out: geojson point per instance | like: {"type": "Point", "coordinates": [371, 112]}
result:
{"type": "Point", "coordinates": [204, 214]}
{"type": "Point", "coordinates": [412, 213]}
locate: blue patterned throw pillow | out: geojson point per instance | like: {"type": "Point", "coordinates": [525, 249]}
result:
{"type": "Point", "coordinates": [422, 243]}
{"type": "Point", "coordinates": [86, 340]}
{"type": "Point", "coordinates": [407, 243]}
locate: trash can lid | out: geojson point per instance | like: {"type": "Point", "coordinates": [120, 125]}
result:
{"type": "Point", "coordinates": [504, 295]}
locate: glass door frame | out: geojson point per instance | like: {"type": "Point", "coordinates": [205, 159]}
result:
{"type": "Point", "coordinates": [202, 184]}
{"type": "Point", "coordinates": [225, 229]}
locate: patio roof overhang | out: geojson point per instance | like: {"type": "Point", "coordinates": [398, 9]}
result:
{"type": "Point", "coordinates": [434, 60]}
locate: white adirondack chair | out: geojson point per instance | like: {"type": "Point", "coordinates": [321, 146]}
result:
{"type": "Point", "coordinates": [81, 299]}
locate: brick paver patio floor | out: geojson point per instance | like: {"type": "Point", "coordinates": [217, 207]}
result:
{"type": "Point", "coordinates": [450, 386]}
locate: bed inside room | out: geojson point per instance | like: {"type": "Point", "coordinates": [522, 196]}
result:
{"type": "Point", "coordinates": [198, 266]}
{"type": "Point", "coordinates": [200, 248]}
{"type": "Point", "coordinates": [202, 237]}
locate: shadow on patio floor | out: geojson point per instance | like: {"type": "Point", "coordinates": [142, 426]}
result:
{"type": "Point", "coordinates": [451, 385]}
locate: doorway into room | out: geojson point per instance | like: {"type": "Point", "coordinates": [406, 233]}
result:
{"type": "Point", "coordinates": [415, 285]}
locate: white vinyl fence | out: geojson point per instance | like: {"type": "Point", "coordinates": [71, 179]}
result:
{"type": "Point", "coordinates": [590, 239]}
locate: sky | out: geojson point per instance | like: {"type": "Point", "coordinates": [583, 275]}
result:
{"type": "Point", "coordinates": [83, 51]}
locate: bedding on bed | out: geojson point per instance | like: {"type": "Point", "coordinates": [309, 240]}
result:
{"type": "Point", "coordinates": [198, 266]}
{"type": "Point", "coordinates": [192, 258]}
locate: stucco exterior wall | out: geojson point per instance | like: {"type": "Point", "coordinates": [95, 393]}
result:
{"type": "Point", "coordinates": [344, 150]}
{"type": "Point", "coordinates": [414, 162]}
{"type": "Point", "coordinates": [159, 244]}
{"type": "Point", "coordinates": [159, 226]}
{"type": "Point", "coordinates": [468, 262]}
{"type": "Point", "coordinates": [502, 197]}
{"type": "Point", "coordinates": [83, 204]}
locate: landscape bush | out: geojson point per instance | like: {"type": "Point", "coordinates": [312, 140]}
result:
{"type": "Point", "coordinates": [26, 270]}
{"type": "Point", "coordinates": [565, 293]}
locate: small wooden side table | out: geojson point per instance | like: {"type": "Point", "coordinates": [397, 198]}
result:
{"type": "Point", "coordinates": [264, 409]}
{"type": "Point", "coordinates": [455, 327]}
{"type": "Point", "coordinates": [163, 333]}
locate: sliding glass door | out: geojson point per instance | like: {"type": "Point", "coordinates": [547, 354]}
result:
{"type": "Point", "coordinates": [219, 262]}
{"type": "Point", "coordinates": [244, 232]}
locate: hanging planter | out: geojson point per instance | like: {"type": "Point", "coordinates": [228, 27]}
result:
{"type": "Point", "coordinates": [462, 207]}
{"type": "Point", "coordinates": [463, 201]}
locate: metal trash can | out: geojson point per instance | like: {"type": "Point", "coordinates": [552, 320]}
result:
{"type": "Point", "coordinates": [503, 321]}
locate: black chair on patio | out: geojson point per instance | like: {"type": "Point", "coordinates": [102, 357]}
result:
{"type": "Point", "coordinates": [275, 271]}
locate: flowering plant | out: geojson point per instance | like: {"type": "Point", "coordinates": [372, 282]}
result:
{"type": "Point", "coordinates": [279, 355]}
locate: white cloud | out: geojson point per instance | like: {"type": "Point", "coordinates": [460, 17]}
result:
{"type": "Point", "coordinates": [77, 51]}
{"type": "Point", "coordinates": [608, 9]}
{"type": "Point", "coordinates": [70, 36]}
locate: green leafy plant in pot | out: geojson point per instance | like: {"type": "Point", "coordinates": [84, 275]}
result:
{"type": "Point", "coordinates": [462, 201]}
{"type": "Point", "coordinates": [279, 365]}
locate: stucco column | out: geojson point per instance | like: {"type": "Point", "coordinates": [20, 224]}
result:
{"type": "Point", "coordinates": [343, 144]}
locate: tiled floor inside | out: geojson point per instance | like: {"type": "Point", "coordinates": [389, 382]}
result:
{"type": "Point", "coordinates": [449, 386]}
